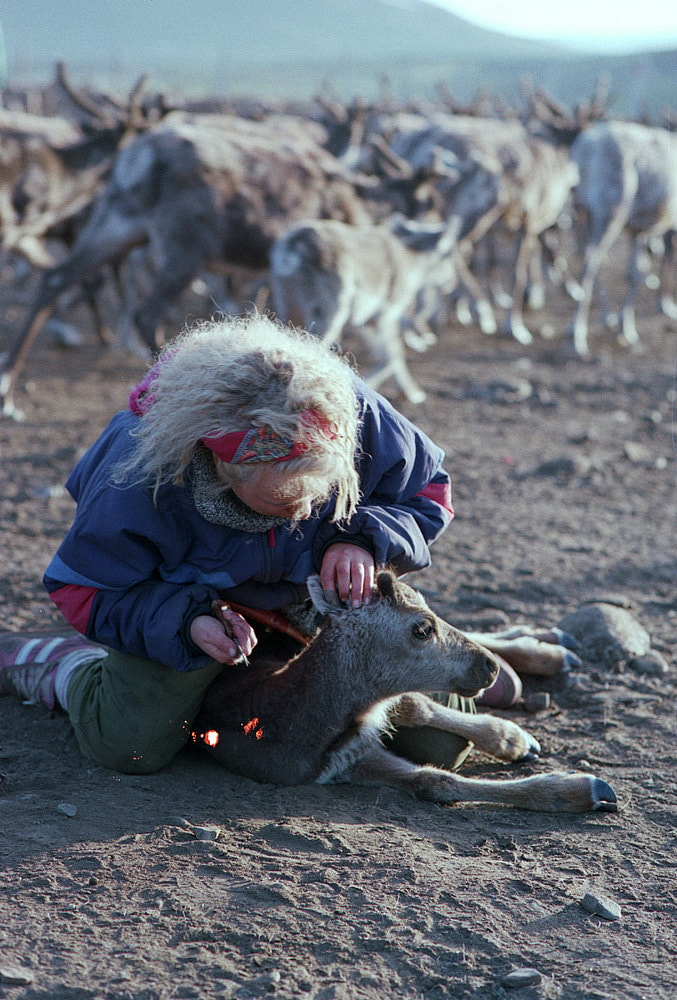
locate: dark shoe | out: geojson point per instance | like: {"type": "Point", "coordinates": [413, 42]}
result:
{"type": "Point", "coordinates": [426, 745]}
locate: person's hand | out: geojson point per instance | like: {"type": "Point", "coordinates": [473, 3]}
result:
{"type": "Point", "coordinates": [349, 570]}
{"type": "Point", "coordinates": [209, 635]}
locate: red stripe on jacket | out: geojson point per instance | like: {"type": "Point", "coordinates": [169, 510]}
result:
{"type": "Point", "coordinates": [75, 604]}
{"type": "Point", "coordinates": [440, 493]}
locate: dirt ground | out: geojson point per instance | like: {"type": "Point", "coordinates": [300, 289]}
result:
{"type": "Point", "coordinates": [564, 485]}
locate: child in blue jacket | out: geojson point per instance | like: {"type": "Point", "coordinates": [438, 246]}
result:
{"type": "Point", "coordinates": [250, 458]}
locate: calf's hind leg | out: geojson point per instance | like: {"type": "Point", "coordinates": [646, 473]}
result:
{"type": "Point", "coordinates": [555, 792]}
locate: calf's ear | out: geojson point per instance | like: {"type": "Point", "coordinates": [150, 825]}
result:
{"type": "Point", "coordinates": [385, 582]}
{"type": "Point", "coordinates": [326, 601]}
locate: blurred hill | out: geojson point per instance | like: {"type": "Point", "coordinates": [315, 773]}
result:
{"type": "Point", "coordinates": [294, 49]}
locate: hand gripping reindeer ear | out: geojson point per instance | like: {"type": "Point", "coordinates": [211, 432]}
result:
{"type": "Point", "coordinates": [327, 602]}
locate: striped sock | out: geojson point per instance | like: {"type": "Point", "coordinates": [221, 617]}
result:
{"type": "Point", "coordinates": [66, 668]}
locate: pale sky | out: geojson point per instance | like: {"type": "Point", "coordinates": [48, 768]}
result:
{"type": "Point", "coordinates": [616, 25]}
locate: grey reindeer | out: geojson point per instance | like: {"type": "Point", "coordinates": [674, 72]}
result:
{"type": "Point", "coordinates": [328, 276]}
{"type": "Point", "coordinates": [320, 715]}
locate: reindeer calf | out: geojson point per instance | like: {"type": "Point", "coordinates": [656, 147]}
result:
{"type": "Point", "coordinates": [327, 275]}
{"type": "Point", "coordinates": [320, 715]}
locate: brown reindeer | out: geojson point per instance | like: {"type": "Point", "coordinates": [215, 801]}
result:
{"type": "Point", "coordinates": [52, 169]}
{"type": "Point", "coordinates": [321, 714]}
{"type": "Point", "coordinates": [194, 190]}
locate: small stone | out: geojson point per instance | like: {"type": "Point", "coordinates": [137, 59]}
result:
{"type": "Point", "coordinates": [607, 634]}
{"type": "Point", "coordinates": [539, 701]}
{"type": "Point", "coordinates": [601, 906]}
{"type": "Point", "coordinates": [180, 821]}
{"type": "Point", "coordinates": [15, 975]}
{"type": "Point", "coordinates": [67, 809]}
{"type": "Point", "coordinates": [206, 832]}
{"type": "Point", "coordinates": [521, 977]}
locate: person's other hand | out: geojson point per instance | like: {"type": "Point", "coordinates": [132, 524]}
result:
{"type": "Point", "coordinates": [209, 635]}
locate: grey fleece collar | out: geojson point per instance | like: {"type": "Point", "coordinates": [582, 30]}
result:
{"type": "Point", "coordinates": [224, 508]}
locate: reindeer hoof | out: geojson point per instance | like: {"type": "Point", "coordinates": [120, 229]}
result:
{"type": "Point", "coordinates": [567, 640]}
{"type": "Point", "coordinates": [8, 409]}
{"type": "Point", "coordinates": [603, 796]}
{"type": "Point", "coordinates": [533, 753]}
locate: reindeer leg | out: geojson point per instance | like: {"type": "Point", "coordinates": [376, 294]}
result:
{"type": "Point", "coordinates": [16, 357]}
{"type": "Point", "coordinates": [485, 313]}
{"type": "Point", "coordinates": [498, 737]}
{"type": "Point", "coordinates": [555, 792]}
{"type": "Point", "coordinates": [539, 652]}
{"type": "Point", "coordinates": [666, 303]}
{"type": "Point", "coordinates": [388, 341]}
{"type": "Point", "coordinates": [629, 332]}
{"type": "Point", "coordinates": [515, 320]}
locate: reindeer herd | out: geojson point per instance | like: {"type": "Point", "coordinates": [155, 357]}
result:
{"type": "Point", "coordinates": [360, 217]}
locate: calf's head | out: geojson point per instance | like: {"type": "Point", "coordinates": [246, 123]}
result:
{"type": "Point", "coordinates": [399, 633]}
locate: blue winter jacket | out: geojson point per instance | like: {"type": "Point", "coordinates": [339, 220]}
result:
{"type": "Point", "coordinates": [133, 572]}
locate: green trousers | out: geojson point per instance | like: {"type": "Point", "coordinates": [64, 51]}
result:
{"type": "Point", "coordinates": [134, 715]}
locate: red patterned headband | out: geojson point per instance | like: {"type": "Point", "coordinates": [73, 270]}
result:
{"type": "Point", "coordinates": [263, 444]}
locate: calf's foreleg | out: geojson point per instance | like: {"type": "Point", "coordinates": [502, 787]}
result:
{"type": "Point", "coordinates": [497, 737]}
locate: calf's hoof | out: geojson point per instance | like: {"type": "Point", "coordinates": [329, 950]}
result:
{"type": "Point", "coordinates": [603, 796]}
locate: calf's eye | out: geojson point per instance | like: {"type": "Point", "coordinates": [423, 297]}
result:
{"type": "Point", "coordinates": [423, 630]}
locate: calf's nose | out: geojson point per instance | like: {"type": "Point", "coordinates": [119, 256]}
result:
{"type": "Point", "coordinates": [487, 669]}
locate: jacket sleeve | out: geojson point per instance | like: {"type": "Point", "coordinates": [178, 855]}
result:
{"type": "Point", "coordinates": [406, 494]}
{"type": "Point", "coordinates": [107, 578]}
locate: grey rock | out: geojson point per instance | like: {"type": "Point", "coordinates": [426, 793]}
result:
{"type": "Point", "coordinates": [521, 977]}
{"type": "Point", "coordinates": [652, 663]}
{"type": "Point", "coordinates": [601, 906]}
{"type": "Point", "coordinates": [15, 975]}
{"type": "Point", "coordinates": [538, 701]}
{"type": "Point", "coordinates": [206, 832]}
{"type": "Point", "coordinates": [607, 634]}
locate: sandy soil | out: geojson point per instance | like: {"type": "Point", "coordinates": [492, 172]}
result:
{"type": "Point", "coordinates": [564, 477]}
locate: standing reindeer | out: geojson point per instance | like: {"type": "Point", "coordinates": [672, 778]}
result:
{"type": "Point", "coordinates": [516, 182]}
{"type": "Point", "coordinates": [320, 716]}
{"type": "Point", "coordinates": [628, 183]}
{"type": "Point", "coordinates": [329, 275]}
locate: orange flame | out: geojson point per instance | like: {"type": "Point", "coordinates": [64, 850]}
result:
{"type": "Point", "coordinates": [253, 728]}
